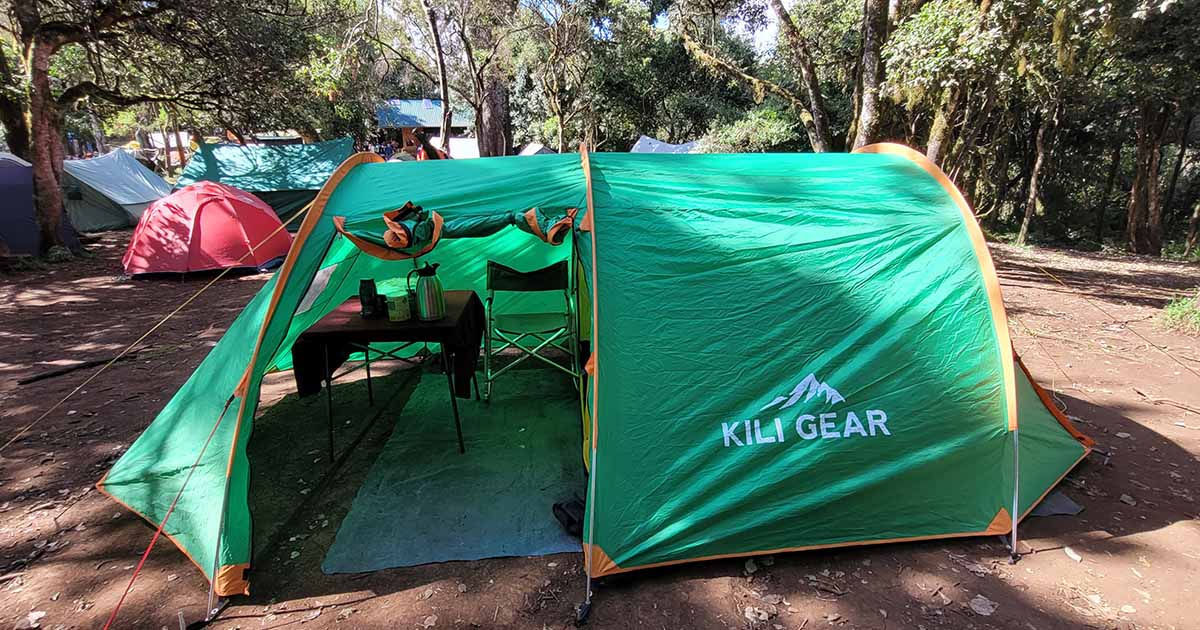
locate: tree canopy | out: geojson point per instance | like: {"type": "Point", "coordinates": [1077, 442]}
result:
{"type": "Point", "coordinates": [1064, 120]}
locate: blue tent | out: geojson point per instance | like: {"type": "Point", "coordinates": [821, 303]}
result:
{"type": "Point", "coordinates": [19, 233]}
{"type": "Point", "coordinates": [18, 226]}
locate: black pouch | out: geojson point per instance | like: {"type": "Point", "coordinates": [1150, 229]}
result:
{"type": "Point", "coordinates": [570, 516]}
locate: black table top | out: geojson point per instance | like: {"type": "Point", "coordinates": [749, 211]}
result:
{"type": "Point", "coordinates": [345, 324]}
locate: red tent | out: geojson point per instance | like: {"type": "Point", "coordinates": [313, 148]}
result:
{"type": "Point", "coordinates": [202, 227]}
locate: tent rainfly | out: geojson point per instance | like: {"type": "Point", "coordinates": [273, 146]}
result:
{"type": "Point", "coordinates": [790, 352]}
{"type": "Point", "coordinates": [19, 233]}
{"type": "Point", "coordinates": [287, 177]}
{"type": "Point", "coordinates": [109, 192]}
{"type": "Point", "coordinates": [203, 227]}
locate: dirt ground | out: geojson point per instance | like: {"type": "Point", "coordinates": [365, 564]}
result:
{"type": "Point", "coordinates": [68, 552]}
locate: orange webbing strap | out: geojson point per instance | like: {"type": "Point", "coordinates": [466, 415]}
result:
{"type": "Point", "coordinates": [171, 510]}
{"type": "Point", "coordinates": [557, 233]}
{"type": "Point", "coordinates": [131, 346]}
{"type": "Point", "coordinates": [387, 253]}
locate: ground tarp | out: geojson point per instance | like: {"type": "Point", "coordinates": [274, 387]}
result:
{"type": "Point", "coordinates": [109, 192]}
{"type": "Point", "coordinates": [423, 502]}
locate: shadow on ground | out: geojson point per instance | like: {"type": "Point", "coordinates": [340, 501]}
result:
{"type": "Point", "coordinates": [927, 584]}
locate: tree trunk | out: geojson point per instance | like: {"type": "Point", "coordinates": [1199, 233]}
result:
{"type": "Point", "coordinates": [12, 111]}
{"type": "Point", "coordinates": [98, 133]}
{"type": "Point", "coordinates": [494, 123]}
{"type": "Point", "coordinates": [974, 125]}
{"type": "Point", "coordinates": [443, 84]}
{"type": "Point", "coordinates": [166, 148]}
{"type": "Point", "coordinates": [1144, 216]}
{"type": "Point", "coordinates": [178, 143]}
{"type": "Point", "coordinates": [893, 15]}
{"type": "Point", "coordinates": [46, 150]}
{"type": "Point", "coordinates": [1101, 208]}
{"type": "Point", "coordinates": [875, 24]}
{"type": "Point", "coordinates": [943, 127]}
{"type": "Point", "coordinates": [1193, 231]}
{"type": "Point", "coordinates": [1032, 197]}
{"type": "Point", "coordinates": [562, 143]}
{"type": "Point", "coordinates": [1183, 146]}
{"type": "Point", "coordinates": [820, 138]}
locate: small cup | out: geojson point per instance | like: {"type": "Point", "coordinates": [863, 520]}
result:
{"type": "Point", "coordinates": [397, 308]}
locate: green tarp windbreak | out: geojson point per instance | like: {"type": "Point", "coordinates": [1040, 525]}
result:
{"type": "Point", "coordinates": [790, 352]}
{"type": "Point", "coordinates": [286, 177]}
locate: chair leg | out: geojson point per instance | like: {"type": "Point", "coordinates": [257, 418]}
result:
{"type": "Point", "coordinates": [487, 357]}
{"type": "Point", "coordinates": [370, 391]}
{"type": "Point", "coordinates": [573, 341]}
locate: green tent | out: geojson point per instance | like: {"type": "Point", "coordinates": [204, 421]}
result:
{"type": "Point", "coordinates": [285, 176]}
{"type": "Point", "coordinates": [790, 352]}
{"type": "Point", "coordinates": [109, 192]}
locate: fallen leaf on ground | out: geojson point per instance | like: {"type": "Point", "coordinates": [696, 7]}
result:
{"type": "Point", "coordinates": [983, 606]}
{"type": "Point", "coordinates": [32, 620]}
{"type": "Point", "coordinates": [756, 614]}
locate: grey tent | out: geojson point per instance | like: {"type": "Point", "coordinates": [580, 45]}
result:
{"type": "Point", "coordinates": [646, 144]}
{"type": "Point", "coordinates": [109, 192]}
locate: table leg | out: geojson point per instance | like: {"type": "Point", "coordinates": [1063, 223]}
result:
{"type": "Point", "coordinates": [329, 401]}
{"type": "Point", "coordinates": [446, 365]}
{"type": "Point", "coordinates": [370, 392]}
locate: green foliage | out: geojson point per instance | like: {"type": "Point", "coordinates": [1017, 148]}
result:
{"type": "Point", "coordinates": [761, 130]}
{"type": "Point", "coordinates": [646, 82]}
{"type": "Point", "coordinates": [607, 71]}
{"type": "Point", "coordinates": [640, 79]}
{"type": "Point", "coordinates": [123, 123]}
{"type": "Point", "coordinates": [58, 254]}
{"type": "Point", "coordinates": [944, 45]}
{"type": "Point", "coordinates": [1183, 314]}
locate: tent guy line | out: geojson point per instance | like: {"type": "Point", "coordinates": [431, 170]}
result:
{"type": "Point", "coordinates": [1116, 319]}
{"type": "Point", "coordinates": [24, 430]}
{"type": "Point", "coordinates": [158, 532]}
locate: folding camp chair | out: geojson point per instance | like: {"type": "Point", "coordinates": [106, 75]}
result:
{"type": "Point", "coordinates": [530, 333]}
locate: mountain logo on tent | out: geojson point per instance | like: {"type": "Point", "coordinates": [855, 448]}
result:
{"type": "Point", "coordinates": [808, 388]}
